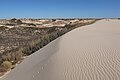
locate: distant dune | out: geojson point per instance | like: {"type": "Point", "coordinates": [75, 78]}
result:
{"type": "Point", "coordinates": [87, 53]}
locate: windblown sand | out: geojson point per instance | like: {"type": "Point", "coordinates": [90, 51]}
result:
{"type": "Point", "coordinates": [87, 53]}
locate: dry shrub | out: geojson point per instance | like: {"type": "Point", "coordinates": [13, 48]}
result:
{"type": "Point", "coordinates": [6, 65]}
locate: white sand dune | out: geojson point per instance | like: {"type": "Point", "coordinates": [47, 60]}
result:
{"type": "Point", "coordinates": [87, 53]}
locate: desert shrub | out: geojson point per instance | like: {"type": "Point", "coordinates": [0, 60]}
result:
{"type": "Point", "coordinates": [6, 65]}
{"type": "Point", "coordinates": [6, 57]}
{"type": "Point", "coordinates": [30, 24]}
{"type": "Point", "coordinates": [18, 54]}
{"type": "Point", "coordinates": [3, 28]}
{"type": "Point", "coordinates": [51, 29]}
{"type": "Point", "coordinates": [18, 21]}
{"type": "Point", "coordinates": [2, 69]}
{"type": "Point", "coordinates": [10, 24]}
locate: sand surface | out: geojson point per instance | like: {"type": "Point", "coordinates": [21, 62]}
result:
{"type": "Point", "coordinates": [87, 53]}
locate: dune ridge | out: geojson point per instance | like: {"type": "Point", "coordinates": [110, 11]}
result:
{"type": "Point", "coordinates": [86, 53]}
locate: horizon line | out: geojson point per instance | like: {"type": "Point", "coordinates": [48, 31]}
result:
{"type": "Point", "coordinates": [65, 18]}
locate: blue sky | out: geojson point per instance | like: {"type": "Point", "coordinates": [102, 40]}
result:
{"type": "Point", "coordinates": [59, 8]}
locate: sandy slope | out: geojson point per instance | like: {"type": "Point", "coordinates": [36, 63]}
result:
{"type": "Point", "coordinates": [87, 53]}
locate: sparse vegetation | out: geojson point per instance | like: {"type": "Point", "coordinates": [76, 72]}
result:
{"type": "Point", "coordinates": [21, 41]}
{"type": "Point", "coordinates": [6, 65]}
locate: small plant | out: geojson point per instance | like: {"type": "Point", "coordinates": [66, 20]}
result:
{"type": "Point", "coordinates": [6, 65]}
